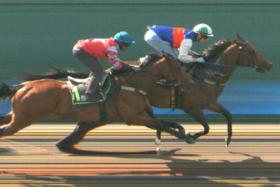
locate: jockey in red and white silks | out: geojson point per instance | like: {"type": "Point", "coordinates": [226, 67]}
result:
{"type": "Point", "coordinates": [88, 51]}
{"type": "Point", "coordinates": [102, 48]}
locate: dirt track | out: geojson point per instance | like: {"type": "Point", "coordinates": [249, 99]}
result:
{"type": "Point", "coordinates": [30, 158]}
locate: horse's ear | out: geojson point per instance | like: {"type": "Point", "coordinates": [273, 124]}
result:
{"type": "Point", "coordinates": [238, 37]}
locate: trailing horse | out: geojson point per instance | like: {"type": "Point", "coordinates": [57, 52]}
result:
{"type": "Point", "coordinates": [39, 99]}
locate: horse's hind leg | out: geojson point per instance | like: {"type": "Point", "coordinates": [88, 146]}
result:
{"type": "Point", "coordinates": [13, 126]}
{"type": "Point", "coordinates": [171, 125]}
{"type": "Point", "coordinates": [199, 117]}
{"type": "Point", "coordinates": [174, 125]}
{"type": "Point", "coordinates": [5, 119]}
{"type": "Point", "coordinates": [180, 129]}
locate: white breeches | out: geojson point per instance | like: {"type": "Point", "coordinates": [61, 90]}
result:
{"type": "Point", "coordinates": [158, 44]}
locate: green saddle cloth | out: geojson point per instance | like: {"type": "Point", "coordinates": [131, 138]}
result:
{"type": "Point", "coordinates": [107, 88]}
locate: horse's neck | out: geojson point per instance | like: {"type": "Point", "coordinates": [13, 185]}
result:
{"type": "Point", "coordinates": [229, 59]}
{"type": "Point", "coordinates": [142, 80]}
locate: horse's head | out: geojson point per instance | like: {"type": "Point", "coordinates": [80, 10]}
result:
{"type": "Point", "coordinates": [250, 57]}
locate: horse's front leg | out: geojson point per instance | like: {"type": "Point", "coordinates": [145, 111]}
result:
{"type": "Point", "coordinates": [222, 110]}
{"type": "Point", "coordinates": [82, 128]}
{"type": "Point", "coordinates": [199, 117]}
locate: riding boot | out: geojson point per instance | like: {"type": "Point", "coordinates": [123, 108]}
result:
{"type": "Point", "coordinates": [92, 90]}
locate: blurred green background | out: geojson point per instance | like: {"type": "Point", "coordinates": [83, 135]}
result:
{"type": "Point", "coordinates": [38, 33]}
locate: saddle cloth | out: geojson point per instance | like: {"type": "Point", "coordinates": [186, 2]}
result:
{"type": "Point", "coordinates": [77, 88]}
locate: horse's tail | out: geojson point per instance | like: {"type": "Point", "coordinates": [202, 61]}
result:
{"type": "Point", "coordinates": [56, 73]}
{"type": "Point", "coordinates": [7, 91]}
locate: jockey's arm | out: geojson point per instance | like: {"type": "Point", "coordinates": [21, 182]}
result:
{"type": "Point", "coordinates": [118, 63]}
{"type": "Point", "coordinates": [115, 60]}
{"type": "Point", "coordinates": [184, 52]}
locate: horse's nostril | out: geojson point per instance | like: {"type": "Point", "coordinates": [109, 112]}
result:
{"type": "Point", "coordinates": [269, 65]}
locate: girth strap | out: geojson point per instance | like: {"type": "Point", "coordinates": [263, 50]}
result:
{"type": "Point", "coordinates": [175, 99]}
{"type": "Point", "coordinates": [172, 99]}
{"type": "Point", "coordinates": [102, 111]}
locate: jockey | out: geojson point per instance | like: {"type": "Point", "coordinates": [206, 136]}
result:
{"type": "Point", "coordinates": [90, 50]}
{"type": "Point", "coordinates": [177, 41]}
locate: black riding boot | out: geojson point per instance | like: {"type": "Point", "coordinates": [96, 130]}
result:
{"type": "Point", "coordinates": [92, 90]}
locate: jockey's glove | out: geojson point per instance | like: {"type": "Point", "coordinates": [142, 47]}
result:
{"type": "Point", "coordinates": [117, 66]}
{"type": "Point", "coordinates": [142, 61]}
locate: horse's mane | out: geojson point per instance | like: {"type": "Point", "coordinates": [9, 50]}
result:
{"type": "Point", "coordinates": [209, 70]}
{"type": "Point", "coordinates": [211, 52]}
{"type": "Point", "coordinates": [60, 73]}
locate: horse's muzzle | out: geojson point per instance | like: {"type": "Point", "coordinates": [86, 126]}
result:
{"type": "Point", "coordinates": [264, 69]}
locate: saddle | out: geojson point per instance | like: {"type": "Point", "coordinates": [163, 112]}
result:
{"type": "Point", "coordinates": [108, 85]}
{"type": "Point", "coordinates": [78, 87]}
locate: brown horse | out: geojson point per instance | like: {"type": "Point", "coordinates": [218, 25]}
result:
{"type": "Point", "coordinates": [39, 99]}
{"type": "Point", "coordinates": [208, 82]}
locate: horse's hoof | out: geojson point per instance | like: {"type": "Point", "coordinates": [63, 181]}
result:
{"type": "Point", "coordinates": [157, 141]}
{"type": "Point", "coordinates": [227, 141]}
{"type": "Point", "coordinates": [66, 149]}
{"type": "Point", "coordinates": [189, 138]}
{"type": "Point", "coordinates": [158, 151]}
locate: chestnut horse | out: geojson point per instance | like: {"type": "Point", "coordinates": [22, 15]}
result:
{"type": "Point", "coordinates": [208, 81]}
{"type": "Point", "coordinates": [39, 99]}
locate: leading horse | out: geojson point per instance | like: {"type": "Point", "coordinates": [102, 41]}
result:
{"type": "Point", "coordinates": [209, 81]}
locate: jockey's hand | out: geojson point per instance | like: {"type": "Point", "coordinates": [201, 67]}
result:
{"type": "Point", "coordinates": [117, 66]}
{"type": "Point", "coordinates": [200, 59]}
{"type": "Point", "coordinates": [195, 54]}
{"type": "Point", "coordinates": [132, 63]}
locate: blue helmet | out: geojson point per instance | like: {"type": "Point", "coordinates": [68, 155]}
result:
{"type": "Point", "coordinates": [124, 37]}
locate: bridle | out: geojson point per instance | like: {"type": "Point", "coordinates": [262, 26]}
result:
{"type": "Point", "coordinates": [250, 56]}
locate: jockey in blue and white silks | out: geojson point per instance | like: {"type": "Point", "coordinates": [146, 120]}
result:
{"type": "Point", "coordinates": [177, 41]}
